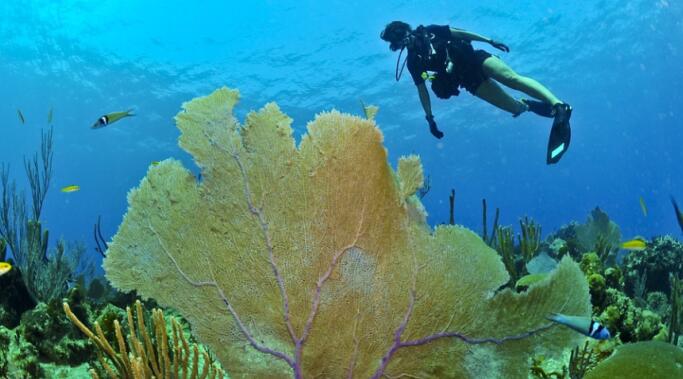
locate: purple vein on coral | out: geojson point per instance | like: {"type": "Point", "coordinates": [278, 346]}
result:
{"type": "Point", "coordinates": [245, 331]}
{"type": "Point", "coordinates": [398, 334]}
{"type": "Point", "coordinates": [258, 212]}
{"type": "Point", "coordinates": [476, 341]}
{"type": "Point", "coordinates": [315, 304]}
{"type": "Point", "coordinates": [401, 328]}
{"type": "Point", "coordinates": [356, 345]}
{"type": "Point", "coordinates": [224, 298]}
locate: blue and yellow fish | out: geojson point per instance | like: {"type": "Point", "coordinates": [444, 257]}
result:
{"type": "Point", "coordinates": [111, 118]}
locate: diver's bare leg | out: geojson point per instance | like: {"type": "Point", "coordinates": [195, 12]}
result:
{"type": "Point", "coordinates": [495, 68]}
{"type": "Point", "coordinates": [493, 93]}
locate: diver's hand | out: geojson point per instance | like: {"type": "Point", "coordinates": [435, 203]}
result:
{"type": "Point", "coordinates": [432, 127]}
{"type": "Point", "coordinates": [500, 46]}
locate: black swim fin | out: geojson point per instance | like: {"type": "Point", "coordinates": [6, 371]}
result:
{"type": "Point", "coordinates": [541, 108]}
{"type": "Point", "coordinates": [679, 214]}
{"type": "Point", "coordinates": [560, 134]}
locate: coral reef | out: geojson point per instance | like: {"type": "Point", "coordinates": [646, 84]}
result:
{"type": "Point", "coordinates": [15, 299]}
{"type": "Point", "coordinates": [628, 297]}
{"type": "Point", "coordinates": [591, 264]}
{"type": "Point", "coordinates": [147, 355]}
{"type": "Point", "coordinates": [597, 287]}
{"type": "Point", "coordinates": [576, 363]}
{"type": "Point", "coordinates": [516, 258]}
{"type": "Point", "coordinates": [599, 233]}
{"type": "Point", "coordinates": [45, 272]}
{"type": "Point", "coordinates": [19, 358]}
{"type": "Point", "coordinates": [530, 238]}
{"type": "Point", "coordinates": [663, 256]}
{"type": "Point", "coordinates": [484, 235]}
{"type": "Point", "coordinates": [315, 260]}
{"type": "Point", "coordinates": [675, 320]}
{"type": "Point", "coordinates": [6, 337]}
{"type": "Point", "coordinates": [54, 338]}
{"type": "Point", "coordinates": [650, 359]}
{"type": "Point", "coordinates": [614, 278]}
{"type": "Point", "coordinates": [626, 320]}
{"type": "Point", "coordinates": [505, 246]}
{"type": "Point", "coordinates": [581, 361]}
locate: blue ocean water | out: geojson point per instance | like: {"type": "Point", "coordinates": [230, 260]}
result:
{"type": "Point", "coordinates": [617, 62]}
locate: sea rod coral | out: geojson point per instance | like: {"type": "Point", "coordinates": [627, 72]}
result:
{"type": "Point", "coordinates": [316, 260]}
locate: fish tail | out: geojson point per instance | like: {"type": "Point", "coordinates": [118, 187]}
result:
{"type": "Point", "coordinates": [578, 323]}
{"type": "Point", "coordinates": [130, 113]}
{"type": "Point", "coordinates": [555, 317]}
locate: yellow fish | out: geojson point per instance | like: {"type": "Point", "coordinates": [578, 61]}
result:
{"type": "Point", "coordinates": [528, 280]}
{"type": "Point", "coordinates": [155, 163]}
{"type": "Point", "coordinates": [643, 207]}
{"type": "Point", "coordinates": [369, 110]}
{"type": "Point", "coordinates": [69, 189]}
{"type": "Point", "coordinates": [4, 268]}
{"type": "Point", "coordinates": [636, 244]}
{"type": "Point", "coordinates": [21, 117]}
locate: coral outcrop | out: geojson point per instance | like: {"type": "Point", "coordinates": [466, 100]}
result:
{"type": "Point", "coordinates": [663, 256]}
{"type": "Point", "coordinates": [650, 359]}
{"type": "Point", "coordinates": [315, 260]}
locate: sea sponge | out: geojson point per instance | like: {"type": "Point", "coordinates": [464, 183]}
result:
{"type": "Point", "coordinates": [309, 261]}
{"type": "Point", "coordinates": [649, 325]}
{"type": "Point", "coordinates": [597, 287]}
{"type": "Point", "coordinates": [591, 264]}
{"type": "Point", "coordinates": [662, 257]}
{"type": "Point", "coordinates": [614, 278]}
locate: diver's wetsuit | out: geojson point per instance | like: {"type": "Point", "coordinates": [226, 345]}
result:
{"type": "Point", "coordinates": [431, 54]}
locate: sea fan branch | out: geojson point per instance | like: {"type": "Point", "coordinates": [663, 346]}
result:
{"type": "Point", "coordinates": [213, 283]}
{"type": "Point", "coordinates": [258, 212]}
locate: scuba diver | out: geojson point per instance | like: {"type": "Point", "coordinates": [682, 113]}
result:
{"type": "Point", "coordinates": [445, 56]}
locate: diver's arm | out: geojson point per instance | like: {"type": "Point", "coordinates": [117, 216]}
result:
{"type": "Point", "coordinates": [424, 99]}
{"type": "Point", "coordinates": [427, 106]}
{"type": "Point", "coordinates": [468, 36]}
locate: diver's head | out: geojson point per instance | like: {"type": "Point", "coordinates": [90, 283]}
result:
{"type": "Point", "coordinates": [397, 33]}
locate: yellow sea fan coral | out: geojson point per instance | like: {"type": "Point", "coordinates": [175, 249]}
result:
{"type": "Point", "coordinates": [410, 175]}
{"type": "Point", "coordinates": [308, 262]}
{"type": "Point", "coordinates": [370, 110]}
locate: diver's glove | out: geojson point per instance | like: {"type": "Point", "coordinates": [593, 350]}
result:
{"type": "Point", "coordinates": [499, 46]}
{"type": "Point", "coordinates": [432, 127]}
